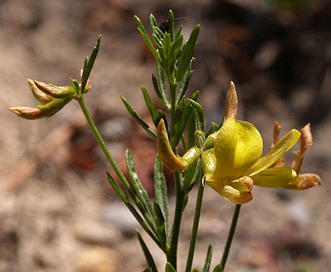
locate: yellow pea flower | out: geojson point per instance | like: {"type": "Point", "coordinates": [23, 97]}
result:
{"type": "Point", "coordinates": [235, 164]}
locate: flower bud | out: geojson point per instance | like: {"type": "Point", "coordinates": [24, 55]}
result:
{"type": "Point", "coordinates": [55, 91]}
{"type": "Point", "coordinates": [30, 113]}
{"type": "Point", "coordinates": [41, 111]}
{"type": "Point", "coordinates": [38, 94]}
{"type": "Point", "coordinates": [165, 151]}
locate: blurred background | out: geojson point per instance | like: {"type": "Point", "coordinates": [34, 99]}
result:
{"type": "Point", "coordinates": [58, 213]}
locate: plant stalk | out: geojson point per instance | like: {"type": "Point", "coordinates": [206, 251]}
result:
{"type": "Point", "coordinates": [195, 226]}
{"type": "Point", "coordinates": [172, 252]}
{"type": "Point", "coordinates": [100, 140]}
{"type": "Point", "coordinates": [230, 236]}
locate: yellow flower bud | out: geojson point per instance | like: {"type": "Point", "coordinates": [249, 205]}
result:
{"type": "Point", "coordinates": [165, 151]}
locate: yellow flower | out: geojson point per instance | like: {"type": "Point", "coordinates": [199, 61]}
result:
{"type": "Point", "coordinates": [234, 164]}
{"type": "Point", "coordinates": [302, 181]}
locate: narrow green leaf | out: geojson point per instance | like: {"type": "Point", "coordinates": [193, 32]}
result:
{"type": "Point", "coordinates": [150, 105]}
{"type": "Point", "coordinates": [199, 111]}
{"type": "Point", "coordinates": [139, 120]}
{"type": "Point", "coordinates": [209, 255]}
{"type": "Point", "coordinates": [158, 41]}
{"type": "Point", "coordinates": [147, 253]}
{"type": "Point", "coordinates": [162, 85]}
{"type": "Point", "coordinates": [179, 31]}
{"type": "Point", "coordinates": [167, 50]}
{"type": "Point", "coordinates": [183, 84]}
{"type": "Point", "coordinates": [182, 115]}
{"type": "Point", "coordinates": [171, 23]}
{"type": "Point", "coordinates": [117, 189]}
{"type": "Point", "coordinates": [191, 128]}
{"type": "Point", "coordinates": [133, 211]}
{"type": "Point", "coordinates": [152, 21]}
{"type": "Point", "coordinates": [156, 89]}
{"type": "Point", "coordinates": [88, 65]}
{"type": "Point", "coordinates": [158, 33]}
{"type": "Point", "coordinates": [147, 40]}
{"type": "Point", "coordinates": [161, 192]}
{"type": "Point", "coordinates": [195, 270]}
{"type": "Point", "coordinates": [187, 53]}
{"type": "Point", "coordinates": [218, 268]}
{"type": "Point", "coordinates": [169, 268]}
{"type": "Point", "coordinates": [175, 51]}
{"type": "Point", "coordinates": [160, 223]}
{"type": "Point", "coordinates": [142, 194]}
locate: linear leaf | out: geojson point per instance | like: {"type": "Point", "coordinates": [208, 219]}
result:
{"type": "Point", "coordinates": [147, 40]}
{"type": "Point", "coordinates": [187, 53]}
{"type": "Point", "coordinates": [171, 23]}
{"type": "Point", "coordinates": [161, 192]}
{"type": "Point", "coordinates": [182, 115]}
{"type": "Point", "coordinates": [218, 268]}
{"type": "Point", "coordinates": [142, 194]}
{"type": "Point", "coordinates": [88, 65]}
{"type": "Point", "coordinates": [209, 255]}
{"type": "Point", "coordinates": [133, 211]}
{"type": "Point", "coordinates": [147, 253]}
{"type": "Point", "coordinates": [199, 111]}
{"type": "Point", "coordinates": [183, 84]}
{"type": "Point", "coordinates": [161, 81]}
{"type": "Point", "coordinates": [160, 226]}
{"type": "Point", "coordinates": [169, 268]}
{"type": "Point", "coordinates": [139, 120]}
{"type": "Point", "coordinates": [150, 105]}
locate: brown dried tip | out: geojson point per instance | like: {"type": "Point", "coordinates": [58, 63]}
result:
{"type": "Point", "coordinates": [306, 141]}
{"type": "Point", "coordinates": [231, 102]}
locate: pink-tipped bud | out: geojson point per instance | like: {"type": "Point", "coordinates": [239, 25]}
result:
{"type": "Point", "coordinates": [55, 91]}
{"type": "Point", "coordinates": [30, 113]}
{"type": "Point", "coordinates": [38, 94]}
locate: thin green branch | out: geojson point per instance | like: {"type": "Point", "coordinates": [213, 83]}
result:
{"type": "Point", "coordinates": [195, 226]}
{"type": "Point", "coordinates": [100, 140]}
{"type": "Point", "coordinates": [180, 196]}
{"type": "Point", "coordinates": [230, 236]}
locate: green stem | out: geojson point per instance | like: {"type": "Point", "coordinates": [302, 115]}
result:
{"type": "Point", "coordinates": [100, 140]}
{"type": "Point", "coordinates": [172, 252]}
{"type": "Point", "coordinates": [195, 227]}
{"type": "Point", "coordinates": [230, 236]}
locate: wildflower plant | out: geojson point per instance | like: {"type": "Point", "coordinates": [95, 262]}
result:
{"type": "Point", "coordinates": [227, 157]}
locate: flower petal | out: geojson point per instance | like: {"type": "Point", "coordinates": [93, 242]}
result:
{"type": "Point", "coordinates": [275, 153]}
{"type": "Point", "coordinates": [274, 177]}
{"type": "Point", "coordinates": [239, 192]}
{"type": "Point", "coordinates": [238, 146]}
